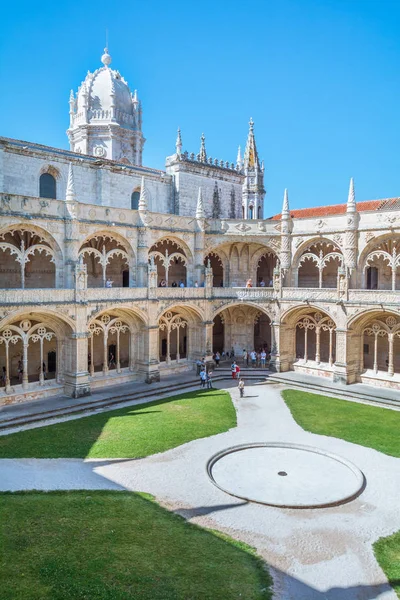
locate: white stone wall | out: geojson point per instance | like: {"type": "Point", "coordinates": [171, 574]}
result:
{"type": "Point", "coordinates": [102, 184]}
{"type": "Point", "coordinates": [188, 177]}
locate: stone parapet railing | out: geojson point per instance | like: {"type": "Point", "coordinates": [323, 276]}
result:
{"type": "Point", "coordinates": [261, 294]}
{"type": "Point", "coordinates": [36, 296]}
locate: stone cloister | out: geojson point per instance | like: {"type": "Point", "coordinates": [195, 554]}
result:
{"type": "Point", "coordinates": [92, 297]}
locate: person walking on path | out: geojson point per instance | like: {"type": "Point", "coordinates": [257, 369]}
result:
{"type": "Point", "coordinates": [203, 378]}
{"type": "Point", "coordinates": [217, 359]}
{"type": "Point", "coordinates": [253, 359]}
{"type": "Point", "coordinates": [209, 381]}
{"type": "Point", "coordinates": [241, 387]}
{"type": "Point", "coordinates": [233, 369]}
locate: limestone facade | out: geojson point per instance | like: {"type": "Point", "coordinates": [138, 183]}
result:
{"type": "Point", "coordinates": [112, 272]}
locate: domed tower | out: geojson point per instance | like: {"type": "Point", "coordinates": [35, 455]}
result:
{"type": "Point", "coordinates": [105, 118]}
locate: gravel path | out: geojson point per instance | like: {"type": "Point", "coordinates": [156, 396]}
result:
{"type": "Point", "coordinates": [314, 554]}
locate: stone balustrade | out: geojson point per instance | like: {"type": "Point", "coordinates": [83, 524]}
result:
{"type": "Point", "coordinates": [260, 294]}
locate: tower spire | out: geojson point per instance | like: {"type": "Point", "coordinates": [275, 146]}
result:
{"type": "Point", "coordinates": [250, 153]}
{"type": "Point", "coordinates": [142, 205]}
{"type": "Point", "coordinates": [239, 159]}
{"type": "Point", "coordinates": [200, 206]}
{"type": "Point", "coordinates": [285, 206]}
{"type": "Point", "coordinates": [70, 193]}
{"type": "Point", "coordinates": [351, 199]}
{"type": "Point", "coordinates": [203, 153]}
{"type": "Point", "coordinates": [178, 143]}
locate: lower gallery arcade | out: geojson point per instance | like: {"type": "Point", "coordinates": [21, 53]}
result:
{"type": "Point", "coordinates": [42, 353]}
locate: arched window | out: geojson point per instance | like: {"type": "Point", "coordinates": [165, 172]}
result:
{"type": "Point", "coordinates": [47, 186]}
{"type": "Point", "coordinates": [250, 212]}
{"type": "Point", "coordinates": [135, 200]}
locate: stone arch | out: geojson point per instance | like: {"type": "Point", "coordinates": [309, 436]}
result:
{"type": "Point", "coordinates": [375, 346]}
{"type": "Point", "coordinates": [316, 263]}
{"type": "Point", "coordinates": [30, 256]}
{"type": "Point", "coordinates": [181, 334]}
{"type": "Point", "coordinates": [174, 261]}
{"type": "Point", "coordinates": [240, 326]}
{"type": "Point", "coordinates": [108, 257]}
{"type": "Point", "coordinates": [32, 349]}
{"type": "Point", "coordinates": [218, 265]}
{"type": "Point", "coordinates": [379, 263]}
{"type": "Point", "coordinates": [117, 341]}
{"type": "Point", "coordinates": [135, 196]}
{"type": "Point", "coordinates": [308, 339]}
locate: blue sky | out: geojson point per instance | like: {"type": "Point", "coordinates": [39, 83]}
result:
{"type": "Point", "coordinates": [319, 78]}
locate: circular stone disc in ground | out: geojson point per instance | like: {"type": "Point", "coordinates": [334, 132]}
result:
{"type": "Point", "coordinates": [285, 475]}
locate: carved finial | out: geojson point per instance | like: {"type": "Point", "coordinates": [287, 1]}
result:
{"type": "Point", "coordinates": [178, 143]}
{"type": "Point", "coordinates": [239, 159]}
{"type": "Point", "coordinates": [251, 124]}
{"type": "Point", "coordinates": [143, 197]}
{"type": "Point", "coordinates": [70, 194]}
{"type": "Point", "coordinates": [203, 153]}
{"type": "Point", "coordinates": [135, 96]}
{"type": "Point", "coordinates": [351, 200]}
{"type": "Point", "coordinates": [106, 58]}
{"type": "Point", "coordinates": [71, 96]}
{"type": "Point", "coordinates": [200, 206]}
{"type": "Point", "coordinates": [285, 206]}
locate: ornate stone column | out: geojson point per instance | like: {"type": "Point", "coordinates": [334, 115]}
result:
{"type": "Point", "coordinates": [276, 365]}
{"type": "Point", "coordinates": [342, 372]}
{"type": "Point", "coordinates": [142, 257]}
{"type": "Point", "coordinates": [148, 364]}
{"type": "Point", "coordinates": [76, 376]}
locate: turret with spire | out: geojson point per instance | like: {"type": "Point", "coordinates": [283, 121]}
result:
{"type": "Point", "coordinates": [200, 206]}
{"type": "Point", "coordinates": [203, 153]}
{"type": "Point", "coordinates": [253, 187]}
{"type": "Point", "coordinates": [143, 202]}
{"type": "Point", "coordinates": [178, 143]}
{"type": "Point", "coordinates": [350, 250]}
{"type": "Point", "coordinates": [286, 229]}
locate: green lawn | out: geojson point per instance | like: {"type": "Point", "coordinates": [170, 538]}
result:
{"type": "Point", "coordinates": [387, 552]}
{"type": "Point", "coordinates": [117, 546]}
{"type": "Point", "coordinates": [368, 426]}
{"type": "Point", "coordinates": [132, 432]}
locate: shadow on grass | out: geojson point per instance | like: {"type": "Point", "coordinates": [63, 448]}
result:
{"type": "Point", "coordinates": [134, 431]}
{"type": "Point", "coordinates": [118, 545]}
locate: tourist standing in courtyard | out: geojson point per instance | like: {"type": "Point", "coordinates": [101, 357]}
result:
{"type": "Point", "coordinates": [233, 369]}
{"type": "Point", "coordinates": [241, 387]}
{"type": "Point", "coordinates": [217, 359]}
{"type": "Point", "coordinates": [245, 357]}
{"type": "Point", "coordinates": [253, 357]}
{"type": "Point", "coordinates": [263, 359]}
{"type": "Point", "coordinates": [203, 378]}
{"type": "Point", "coordinates": [209, 380]}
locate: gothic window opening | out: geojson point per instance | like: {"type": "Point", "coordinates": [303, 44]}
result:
{"type": "Point", "coordinates": [381, 346]}
{"type": "Point", "coordinates": [318, 266]}
{"type": "Point", "coordinates": [26, 260]}
{"type": "Point", "coordinates": [265, 269]}
{"type": "Point", "coordinates": [107, 260]}
{"type": "Point", "coordinates": [382, 266]}
{"type": "Point", "coordinates": [172, 337]}
{"type": "Point", "coordinates": [28, 353]}
{"type": "Point", "coordinates": [135, 199]}
{"type": "Point", "coordinates": [315, 339]}
{"type": "Point", "coordinates": [47, 186]}
{"type": "Point", "coordinates": [217, 268]}
{"type": "Point", "coordinates": [109, 345]}
{"type": "Point", "coordinates": [171, 263]}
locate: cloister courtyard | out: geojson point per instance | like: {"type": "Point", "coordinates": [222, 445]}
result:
{"type": "Point", "coordinates": [116, 504]}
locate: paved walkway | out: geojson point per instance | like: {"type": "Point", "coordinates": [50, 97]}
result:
{"type": "Point", "coordinates": [314, 554]}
